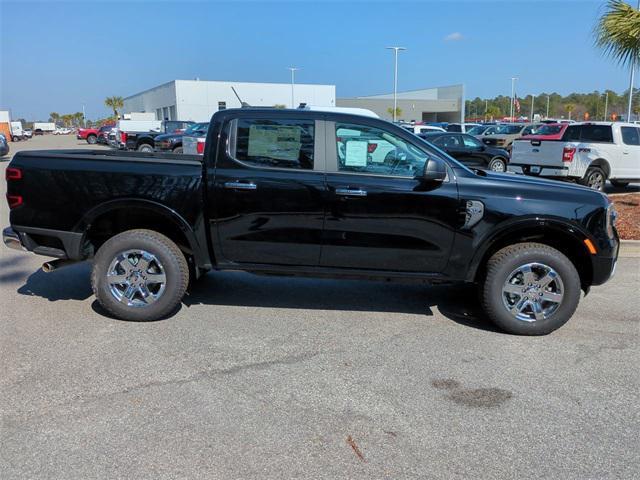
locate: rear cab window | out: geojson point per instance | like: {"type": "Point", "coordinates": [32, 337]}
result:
{"type": "Point", "coordinates": [273, 142]}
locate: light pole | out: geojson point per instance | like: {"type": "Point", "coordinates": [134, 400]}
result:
{"type": "Point", "coordinates": [532, 98]}
{"type": "Point", "coordinates": [395, 79]}
{"type": "Point", "coordinates": [513, 93]}
{"type": "Point", "coordinates": [606, 105]}
{"type": "Point", "coordinates": [547, 117]}
{"type": "Point", "coordinates": [293, 81]}
{"type": "Point", "coordinates": [631, 80]}
{"type": "Point", "coordinates": [84, 118]}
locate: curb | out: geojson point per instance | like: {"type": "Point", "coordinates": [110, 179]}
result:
{"type": "Point", "coordinates": [629, 249]}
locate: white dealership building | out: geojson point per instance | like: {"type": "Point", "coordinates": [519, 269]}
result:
{"type": "Point", "coordinates": [197, 100]}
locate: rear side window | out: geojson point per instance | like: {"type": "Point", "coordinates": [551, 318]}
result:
{"type": "Point", "coordinates": [596, 133]}
{"type": "Point", "coordinates": [630, 135]}
{"type": "Point", "coordinates": [276, 143]}
{"type": "Point", "coordinates": [454, 128]}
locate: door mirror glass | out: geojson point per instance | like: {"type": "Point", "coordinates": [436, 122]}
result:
{"type": "Point", "coordinates": [435, 170]}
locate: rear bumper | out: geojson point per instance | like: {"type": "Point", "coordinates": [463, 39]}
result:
{"type": "Point", "coordinates": [42, 241]}
{"type": "Point", "coordinates": [538, 170]}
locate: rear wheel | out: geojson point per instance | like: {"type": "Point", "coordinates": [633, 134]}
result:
{"type": "Point", "coordinates": [145, 147]}
{"type": "Point", "coordinates": [618, 184]}
{"type": "Point", "coordinates": [92, 140]}
{"type": "Point", "coordinates": [595, 178]}
{"type": "Point", "coordinates": [139, 275]}
{"type": "Point", "coordinates": [530, 289]}
{"type": "Point", "coordinates": [177, 150]}
{"type": "Point", "coordinates": [498, 164]}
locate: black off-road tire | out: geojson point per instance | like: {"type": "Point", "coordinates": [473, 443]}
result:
{"type": "Point", "coordinates": [92, 139]}
{"type": "Point", "coordinates": [618, 184]}
{"type": "Point", "coordinates": [175, 268]}
{"type": "Point", "coordinates": [505, 261]}
{"type": "Point", "coordinates": [594, 178]}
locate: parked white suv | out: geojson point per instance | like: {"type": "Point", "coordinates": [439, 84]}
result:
{"type": "Point", "coordinates": [589, 152]}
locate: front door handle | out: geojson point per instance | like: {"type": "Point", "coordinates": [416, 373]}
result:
{"type": "Point", "coordinates": [351, 192]}
{"type": "Point", "coordinates": [240, 185]}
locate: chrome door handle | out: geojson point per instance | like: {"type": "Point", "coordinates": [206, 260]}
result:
{"type": "Point", "coordinates": [349, 192]}
{"type": "Point", "coordinates": [241, 185]}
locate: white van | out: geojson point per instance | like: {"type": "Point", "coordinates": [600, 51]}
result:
{"type": "Point", "coordinates": [589, 152]}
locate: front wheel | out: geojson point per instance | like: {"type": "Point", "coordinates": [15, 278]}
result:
{"type": "Point", "coordinates": [498, 164]}
{"type": "Point", "coordinates": [145, 147]}
{"type": "Point", "coordinates": [92, 140]}
{"type": "Point", "coordinates": [595, 178]}
{"type": "Point", "coordinates": [530, 289]}
{"type": "Point", "coordinates": [139, 275]}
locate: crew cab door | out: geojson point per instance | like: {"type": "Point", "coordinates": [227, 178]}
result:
{"type": "Point", "coordinates": [629, 153]}
{"type": "Point", "coordinates": [268, 192]}
{"type": "Point", "coordinates": [379, 215]}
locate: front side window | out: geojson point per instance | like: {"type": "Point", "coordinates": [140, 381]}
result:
{"type": "Point", "coordinates": [630, 135]}
{"type": "Point", "coordinates": [276, 143]}
{"type": "Point", "coordinates": [471, 142]}
{"type": "Point", "coordinates": [364, 149]}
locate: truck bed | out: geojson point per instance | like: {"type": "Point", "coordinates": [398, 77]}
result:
{"type": "Point", "coordinates": [65, 190]}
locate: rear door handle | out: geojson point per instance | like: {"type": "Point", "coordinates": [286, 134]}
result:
{"type": "Point", "coordinates": [240, 185]}
{"type": "Point", "coordinates": [351, 192]}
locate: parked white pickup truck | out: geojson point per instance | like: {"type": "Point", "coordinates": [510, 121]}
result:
{"type": "Point", "coordinates": [589, 152]}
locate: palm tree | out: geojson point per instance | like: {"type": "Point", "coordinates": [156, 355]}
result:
{"type": "Point", "coordinates": [115, 103]}
{"type": "Point", "coordinates": [569, 107]}
{"type": "Point", "coordinates": [54, 116]}
{"type": "Point", "coordinates": [398, 111]}
{"type": "Point", "coordinates": [618, 35]}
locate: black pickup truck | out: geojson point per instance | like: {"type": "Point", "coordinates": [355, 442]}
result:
{"type": "Point", "coordinates": [144, 141]}
{"type": "Point", "coordinates": [301, 192]}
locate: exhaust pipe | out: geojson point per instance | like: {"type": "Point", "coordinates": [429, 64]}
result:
{"type": "Point", "coordinates": [56, 264]}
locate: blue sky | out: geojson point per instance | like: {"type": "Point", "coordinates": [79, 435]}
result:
{"type": "Point", "coordinates": [57, 55]}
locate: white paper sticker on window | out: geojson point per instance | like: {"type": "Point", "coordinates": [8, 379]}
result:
{"type": "Point", "coordinates": [356, 153]}
{"type": "Point", "coordinates": [280, 142]}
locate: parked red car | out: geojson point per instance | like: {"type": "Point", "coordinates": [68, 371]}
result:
{"type": "Point", "coordinates": [93, 135]}
{"type": "Point", "coordinates": [549, 131]}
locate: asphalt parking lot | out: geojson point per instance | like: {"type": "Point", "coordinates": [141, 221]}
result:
{"type": "Point", "coordinates": [259, 377]}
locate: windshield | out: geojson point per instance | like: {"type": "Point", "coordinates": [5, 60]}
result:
{"type": "Point", "coordinates": [549, 129]}
{"type": "Point", "coordinates": [477, 130]}
{"type": "Point", "coordinates": [509, 129]}
{"type": "Point", "coordinates": [197, 128]}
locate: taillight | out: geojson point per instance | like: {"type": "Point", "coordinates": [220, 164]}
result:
{"type": "Point", "coordinates": [372, 147]}
{"type": "Point", "coordinates": [568, 153]}
{"type": "Point", "coordinates": [12, 173]}
{"type": "Point", "coordinates": [14, 200]}
{"type": "Point", "coordinates": [200, 148]}
{"type": "Point", "coordinates": [123, 137]}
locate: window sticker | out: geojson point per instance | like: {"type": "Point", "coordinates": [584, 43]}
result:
{"type": "Point", "coordinates": [356, 154]}
{"type": "Point", "coordinates": [274, 141]}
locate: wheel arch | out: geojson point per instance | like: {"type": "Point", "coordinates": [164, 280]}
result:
{"type": "Point", "coordinates": [557, 234]}
{"type": "Point", "coordinates": [117, 216]}
{"type": "Point", "coordinates": [603, 164]}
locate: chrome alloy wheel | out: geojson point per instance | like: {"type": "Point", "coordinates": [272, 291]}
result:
{"type": "Point", "coordinates": [596, 180]}
{"type": "Point", "coordinates": [533, 292]}
{"type": "Point", "coordinates": [136, 278]}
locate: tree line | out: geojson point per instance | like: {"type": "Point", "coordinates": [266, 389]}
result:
{"type": "Point", "coordinates": [576, 106]}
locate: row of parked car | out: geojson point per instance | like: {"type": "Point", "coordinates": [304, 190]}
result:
{"type": "Point", "coordinates": [589, 153]}
{"type": "Point", "coordinates": [149, 135]}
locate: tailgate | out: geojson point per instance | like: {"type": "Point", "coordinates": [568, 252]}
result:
{"type": "Point", "coordinates": [538, 157]}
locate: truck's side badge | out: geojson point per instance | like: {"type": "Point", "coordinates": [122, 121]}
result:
{"type": "Point", "coordinates": [474, 213]}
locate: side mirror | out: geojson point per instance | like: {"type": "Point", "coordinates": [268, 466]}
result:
{"type": "Point", "coordinates": [435, 170]}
